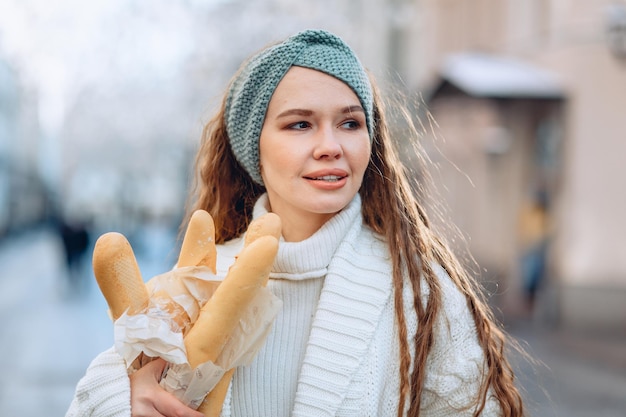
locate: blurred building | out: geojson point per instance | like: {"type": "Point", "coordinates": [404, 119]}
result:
{"type": "Point", "coordinates": [24, 197]}
{"type": "Point", "coordinates": [529, 100]}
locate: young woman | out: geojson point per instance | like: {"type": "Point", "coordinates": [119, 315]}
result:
{"type": "Point", "coordinates": [378, 317]}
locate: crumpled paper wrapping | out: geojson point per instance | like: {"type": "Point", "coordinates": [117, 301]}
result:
{"type": "Point", "coordinates": [154, 333]}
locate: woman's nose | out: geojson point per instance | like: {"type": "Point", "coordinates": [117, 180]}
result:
{"type": "Point", "coordinates": [328, 144]}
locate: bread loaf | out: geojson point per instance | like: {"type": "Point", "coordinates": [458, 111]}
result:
{"type": "Point", "coordinates": [120, 281]}
{"type": "Point", "coordinates": [118, 275]}
{"type": "Point", "coordinates": [266, 225]}
{"type": "Point", "coordinates": [221, 314]}
{"type": "Point", "coordinates": [198, 247]}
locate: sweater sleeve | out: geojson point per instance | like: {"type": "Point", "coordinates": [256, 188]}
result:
{"type": "Point", "coordinates": [456, 364]}
{"type": "Point", "coordinates": [104, 390]}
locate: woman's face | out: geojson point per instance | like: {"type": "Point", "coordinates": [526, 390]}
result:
{"type": "Point", "coordinates": [314, 149]}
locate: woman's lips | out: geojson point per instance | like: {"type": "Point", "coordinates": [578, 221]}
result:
{"type": "Point", "coordinates": [327, 179]}
{"type": "Point", "coordinates": [326, 174]}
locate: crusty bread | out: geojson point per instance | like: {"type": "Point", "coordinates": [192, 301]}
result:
{"type": "Point", "coordinates": [266, 225]}
{"type": "Point", "coordinates": [120, 281]}
{"type": "Point", "coordinates": [222, 312]}
{"type": "Point", "coordinates": [118, 275]}
{"type": "Point", "coordinates": [119, 278]}
{"type": "Point", "coordinates": [212, 404]}
{"type": "Point", "coordinates": [198, 247]}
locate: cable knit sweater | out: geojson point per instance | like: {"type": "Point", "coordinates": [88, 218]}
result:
{"type": "Point", "coordinates": [333, 350]}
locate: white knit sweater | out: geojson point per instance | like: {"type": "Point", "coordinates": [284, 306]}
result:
{"type": "Point", "coordinates": [333, 350]}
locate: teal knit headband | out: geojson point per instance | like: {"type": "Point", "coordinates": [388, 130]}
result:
{"type": "Point", "coordinates": [252, 89]}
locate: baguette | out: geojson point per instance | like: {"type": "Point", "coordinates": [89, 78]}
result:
{"type": "Point", "coordinates": [268, 224]}
{"type": "Point", "coordinates": [222, 312]}
{"type": "Point", "coordinates": [119, 278]}
{"type": "Point", "coordinates": [118, 275]}
{"type": "Point", "coordinates": [197, 249]}
{"type": "Point", "coordinates": [120, 281]}
{"type": "Point", "coordinates": [212, 404]}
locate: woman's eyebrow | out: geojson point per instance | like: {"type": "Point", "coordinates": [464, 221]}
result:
{"type": "Point", "coordinates": [297, 112]}
{"type": "Point", "coordinates": [304, 112]}
{"type": "Point", "coordinates": [352, 109]}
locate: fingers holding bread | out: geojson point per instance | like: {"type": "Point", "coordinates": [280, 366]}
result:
{"type": "Point", "coordinates": [120, 281]}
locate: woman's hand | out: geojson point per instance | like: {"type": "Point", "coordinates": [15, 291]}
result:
{"type": "Point", "coordinates": [149, 399]}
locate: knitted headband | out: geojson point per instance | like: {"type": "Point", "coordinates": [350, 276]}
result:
{"type": "Point", "coordinates": [252, 88]}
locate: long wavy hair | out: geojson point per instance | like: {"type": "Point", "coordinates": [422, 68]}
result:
{"type": "Point", "coordinates": [392, 208]}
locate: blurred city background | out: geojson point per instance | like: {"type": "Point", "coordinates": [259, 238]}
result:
{"type": "Point", "coordinates": [523, 108]}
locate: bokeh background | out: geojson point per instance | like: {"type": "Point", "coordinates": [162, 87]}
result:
{"type": "Point", "coordinates": [521, 106]}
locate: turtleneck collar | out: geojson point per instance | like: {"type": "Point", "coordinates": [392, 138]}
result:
{"type": "Point", "coordinates": [310, 257]}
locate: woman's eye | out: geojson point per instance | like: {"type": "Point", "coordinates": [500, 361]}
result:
{"type": "Point", "coordinates": [299, 125]}
{"type": "Point", "coordinates": [351, 124]}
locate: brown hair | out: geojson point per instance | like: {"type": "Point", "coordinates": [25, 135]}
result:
{"type": "Point", "coordinates": [392, 208]}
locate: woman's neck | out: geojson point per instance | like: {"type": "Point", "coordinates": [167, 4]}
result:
{"type": "Point", "coordinates": [297, 228]}
{"type": "Point", "coordinates": [301, 229]}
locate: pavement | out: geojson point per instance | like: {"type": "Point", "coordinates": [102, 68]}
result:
{"type": "Point", "coordinates": [52, 330]}
{"type": "Point", "coordinates": [570, 373]}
